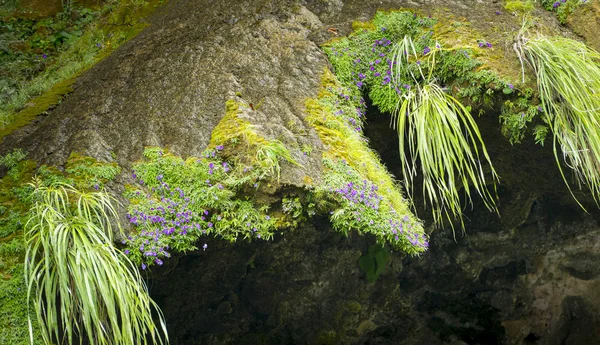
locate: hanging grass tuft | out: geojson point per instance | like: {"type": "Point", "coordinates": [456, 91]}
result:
{"type": "Point", "coordinates": [442, 139]}
{"type": "Point", "coordinates": [79, 283]}
{"type": "Point", "coordinates": [568, 78]}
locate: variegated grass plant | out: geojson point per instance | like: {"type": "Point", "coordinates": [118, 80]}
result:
{"type": "Point", "coordinates": [78, 282]}
{"type": "Point", "coordinates": [441, 137]}
{"type": "Point", "coordinates": [568, 79]}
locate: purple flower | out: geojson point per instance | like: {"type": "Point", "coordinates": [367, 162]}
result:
{"type": "Point", "coordinates": [219, 148]}
{"type": "Point", "coordinates": [498, 12]}
{"type": "Point", "coordinates": [158, 262]}
{"type": "Point", "coordinates": [556, 4]}
{"type": "Point", "coordinates": [44, 56]}
{"type": "Point", "coordinates": [511, 86]}
{"type": "Point", "coordinates": [204, 246]}
{"type": "Point", "coordinates": [426, 51]}
{"type": "Point", "coordinates": [488, 44]}
{"type": "Point", "coordinates": [126, 252]}
{"type": "Point", "coordinates": [359, 84]}
{"type": "Point", "coordinates": [144, 266]}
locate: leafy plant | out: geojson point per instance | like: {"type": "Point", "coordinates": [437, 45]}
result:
{"type": "Point", "coordinates": [11, 161]}
{"type": "Point", "coordinates": [373, 263]}
{"type": "Point", "coordinates": [268, 155]}
{"type": "Point", "coordinates": [568, 79]}
{"type": "Point", "coordinates": [79, 283]}
{"type": "Point", "coordinates": [178, 202]}
{"type": "Point", "coordinates": [441, 137]}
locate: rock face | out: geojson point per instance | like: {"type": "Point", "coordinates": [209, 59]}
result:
{"type": "Point", "coordinates": [529, 277]}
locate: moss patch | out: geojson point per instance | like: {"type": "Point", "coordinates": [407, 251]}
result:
{"type": "Point", "coordinates": [56, 69]}
{"type": "Point", "coordinates": [585, 21]}
{"type": "Point", "coordinates": [38, 105]}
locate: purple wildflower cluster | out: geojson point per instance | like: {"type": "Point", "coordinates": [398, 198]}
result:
{"type": "Point", "coordinates": [351, 108]}
{"type": "Point", "coordinates": [365, 209]}
{"type": "Point", "coordinates": [365, 193]}
{"type": "Point", "coordinates": [172, 220]}
{"type": "Point", "coordinates": [378, 68]}
{"type": "Point", "coordinates": [558, 3]}
{"type": "Point", "coordinates": [179, 202]}
{"type": "Point", "coordinates": [484, 44]}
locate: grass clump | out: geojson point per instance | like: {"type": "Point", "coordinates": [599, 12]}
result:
{"type": "Point", "coordinates": [79, 284]}
{"type": "Point", "coordinates": [16, 198]}
{"type": "Point", "coordinates": [408, 74]}
{"type": "Point", "coordinates": [568, 78]}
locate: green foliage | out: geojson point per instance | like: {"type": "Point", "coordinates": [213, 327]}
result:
{"type": "Point", "coordinates": [11, 161]}
{"type": "Point", "coordinates": [563, 8]}
{"type": "Point", "coordinates": [179, 201]}
{"type": "Point", "coordinates": [516, 6]}
{"type": "Point", "coordinates": [516, 115]}
{"type": "Point", "coordinates": [76, 279]}
{"type": "Point", "coordinates": [568, 77]}
{"type": "Point", "coordinates": [89, 173]}
{"type": "Point", "coordinates": [373, 263]}
{"type": "Point", "coordinates": [268, 156]}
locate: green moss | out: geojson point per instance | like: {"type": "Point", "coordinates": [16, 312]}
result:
{"type": "Point", "coordinates": [13, 307]}
{"type": "Point", "coordinates": [519, 6]}
{"type": "Point", "coordinates": [360, 25]}
{"type": "Point", "coordinates": [328, 338]}
{"type": "Point", "coordinates": [354, 307]}
{"type": "Point", "coordinates": [92, 42]}
{"type": "Point", "coordinates": [37, 106]}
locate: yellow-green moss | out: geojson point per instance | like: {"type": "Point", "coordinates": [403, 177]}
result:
{"type": "Point", "coordinates": [121, 24]}
{"type": "Point", "coordinates": [456, 33]}
{"type": "Point", "coordinates": [585, 21]}
{"type": "Point", "coordinates": [360, 25]}
{"type": "Point", "coordinates": [518, 6]}
{"type": "Point", "coordinates": [38, 106]}
{"type": "Point", "coordinates": [233, 130]}
{"type": "Point", "coordinates": [342, 143]}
